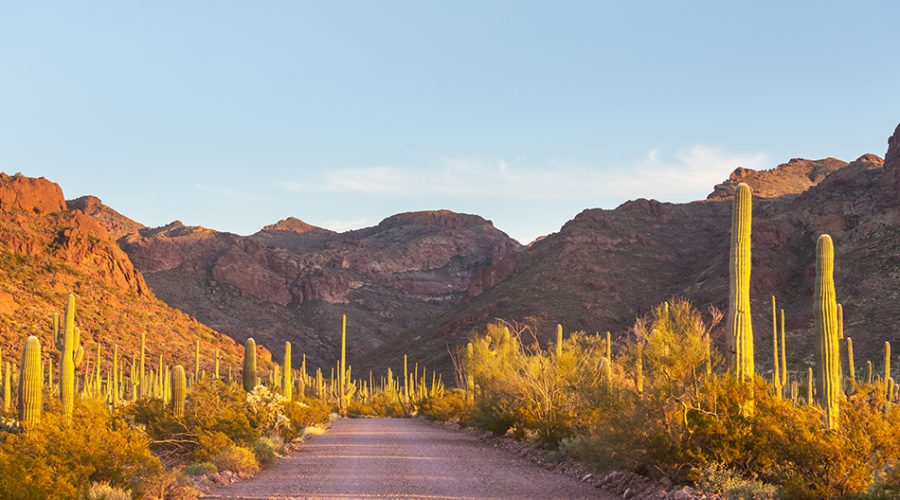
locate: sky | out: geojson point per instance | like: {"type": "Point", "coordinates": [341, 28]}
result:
{"type": "Point", "coordinates": [233, 115]}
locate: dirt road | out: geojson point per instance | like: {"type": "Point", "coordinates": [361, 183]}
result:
{"type": "Point", "coordinates": [403, 458]}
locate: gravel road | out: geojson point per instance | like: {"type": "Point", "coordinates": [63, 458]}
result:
{"type": "Point", "coordinates": [403, 458]}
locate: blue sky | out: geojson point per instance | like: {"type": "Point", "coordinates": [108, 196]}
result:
{"type": "Point", "coordinates": [233, 115]}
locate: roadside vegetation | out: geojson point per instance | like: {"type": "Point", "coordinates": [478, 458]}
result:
{"type": "Point", "coordinates": [662, 400]}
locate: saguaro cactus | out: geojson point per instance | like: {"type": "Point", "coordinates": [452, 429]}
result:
{"type": "Point", "coordinates": [143, 377]}
{"type": "Point", "coordinates": [30, 383]}
{"type": "Point", "coordinates": [342, 378]}
{"type": "Point", "coordinates": [249, 364]}
{"type": "Point", "coordinates": [470, 372]}
{"type": "Point", "coordinates": [740, 327]}
{"type": "Point", "coordinates": [179, 391]}
{"type": "Point", "coordinates": [72, 354]}
{"type": "Point", "coordinates": [887, 367]}
{"type": "Point", "coordinates": [851, 364]}
{"type": "Point", "coordinates": [559, 341]}
{"type": "Point", "coordinates": [287, 385]}
{"type": "Point", "coordinates": [7, 388]}
{"type": "Point", "coordinates": [828, 381]}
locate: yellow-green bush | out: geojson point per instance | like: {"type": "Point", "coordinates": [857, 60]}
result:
{"type": "Point", "coordinates": [57, 460]}
{"type": "Point", "coordinates": [237, 459]}
{"type": "Point", "coordinates": [687, 418]}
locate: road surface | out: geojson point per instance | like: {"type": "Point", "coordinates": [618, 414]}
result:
{"type": "Point", "coordinates": [403, 458]}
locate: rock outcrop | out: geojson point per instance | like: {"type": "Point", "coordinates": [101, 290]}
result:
{"type": "Point", "coordinates": [604, 268]}
{"type": "Point", "coordinates": [292, 281]}
{"type": "Point", "coordinates": [48, 250]}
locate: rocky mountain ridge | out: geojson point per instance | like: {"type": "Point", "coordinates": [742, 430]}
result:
{"type": "Point", "coordinates": [48, 249]}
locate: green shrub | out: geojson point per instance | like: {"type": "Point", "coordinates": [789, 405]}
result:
{"type": "Point", "coordinates": [451, 407]}
{"type": "Point", "coordinates": [103, 491]}
{"type": "Point", "coordinates": [715, 478]}
{"type": "Point", "coordinates": [200, 469]}
{"type": "Point", "coordinates": [264, 451]}
{"type": "Point", "coordinates": [210, 443]}
{"type": "Point", "coordinates": [236, 459]}
{"type": "Point", "coordinates": [304, 414]}
{"type": "Point", "coordinates": [57, 460]}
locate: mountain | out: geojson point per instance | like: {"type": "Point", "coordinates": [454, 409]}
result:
{"type": "Point", "coordinates": [606, 267]}
{"type": "Point", "coordinates": [48, 249]}
{"type": "Point", "coordinates": [293, 281]}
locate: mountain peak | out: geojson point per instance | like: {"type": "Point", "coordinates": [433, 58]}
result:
{"type": "Point", "coordinates": [293, 225]}
{"type": "Point", "coordinates": [791, 178]}
{"type": "Point", "coordinates": [441, 218]}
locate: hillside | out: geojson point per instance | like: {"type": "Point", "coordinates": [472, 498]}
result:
{"type": "Point", "coordinates": [606, 267]}
{"type": "Point", "coordinates": [292, 281]}
{"type": "Point", "coordinates": [48, 250]}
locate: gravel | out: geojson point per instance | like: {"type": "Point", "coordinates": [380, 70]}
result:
{"type": "Point", "coordinates": [404, 458]}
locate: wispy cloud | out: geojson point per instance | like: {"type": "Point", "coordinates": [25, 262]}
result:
{"type": "Point", "coordinates": [347, 225]}
{"type": "Point", "coordinates": [687, 174]}
{"type": "Point", "coordinates": [230, 193]}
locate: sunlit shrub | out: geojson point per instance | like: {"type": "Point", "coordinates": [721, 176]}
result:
{"type": "Point", "coordinates": [264, 451]}
{"type": "Point", "coordinates": [60, 460]}
{"type": "Point", "coordinates": [200, 469]}
{"type": "Point", "coordinates": [237, 459]}
{"type": "Point", "coordinates": [103, 491]}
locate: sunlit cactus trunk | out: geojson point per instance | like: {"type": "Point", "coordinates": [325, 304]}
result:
{"type": "Point", "coordinates": [470, 373]}
{"type": "Point", "coordinates": [887, 367]}
{"type": "Point", "coordinates": [67, 365]}
{"type": "Point", "coordinates": [559, 341]}
{"type": "Point", "coordinates": [740, 327]}
{"type": "Point", "coordinates": [249, 373]}
{"type": "Point", "coordinates": [142, 382]}
{"type": "Point", "coordinates": [828, 381]}
{"type": "Point", "coordinates": [287, 385]}
{"type": "Point", "coordinates": [342, 376]}
{"type": "Point", "coordinates": [30, 383]}
{"type": "Point", "coordinates": [179, 391]}
{"type": "Point", "coordinates": [851, 363]}
{"type": "Point", "coordinates": [7, 387]}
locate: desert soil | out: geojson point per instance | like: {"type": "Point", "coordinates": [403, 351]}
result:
{"type": "Point", "coordinates": [403, 458]}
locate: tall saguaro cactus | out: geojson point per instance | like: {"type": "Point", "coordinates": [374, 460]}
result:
{"type": "Point", "coordinates": [740, 327]}
{"type": "Point", "coordinates": [287, 386]}
{"type": "Point", "coordinates": [559, 341]}
{"type": "Point", "coordinates": [143, 376]}
{"type": "Point", "coordinates": [249, 364]}
{"type": "Point", "coordinates": [179, 391]}
{"type": "Point", "coordinates": [30, 383]}
{"type": "Point", "coordinates": [72, 354]}
{"type": "Point", "coordinates": [828, 380]}
{"type": "Point", "coordinates": [343, 375]}
{"type": "Point", "coordinates": [887, 367]}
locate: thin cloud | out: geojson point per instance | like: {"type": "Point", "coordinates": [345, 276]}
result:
{"type": "Point", "coordinates": [688, 174]}
{"type": "Point", "coordinates": [347, 225]}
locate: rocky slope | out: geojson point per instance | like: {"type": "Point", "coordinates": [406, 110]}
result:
{"type": "Point", "coordinates": [605, 267]}
{"type": "Point", "coordinates": [292, 281]}
{"type": "Point", "coordinates": [48, 250]}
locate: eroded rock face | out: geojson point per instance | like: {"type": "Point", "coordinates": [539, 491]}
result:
{"type": "Point", "coordinates": [889, 197]}
{"type": "Point", "coordinates": [292, 281]}
{"type": "Point", "coordinates": [35, 222]}
{"type": "Point", "coordinates": [604, 268]}
{"type": "Point", "coordinates": [48, 251]}
{"type": "Point", "coordinates": [28, 194]}
{"type": "Point", "coordinates": [791, 178]}
{"type": "Point", "coordinates": [117, 224]}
